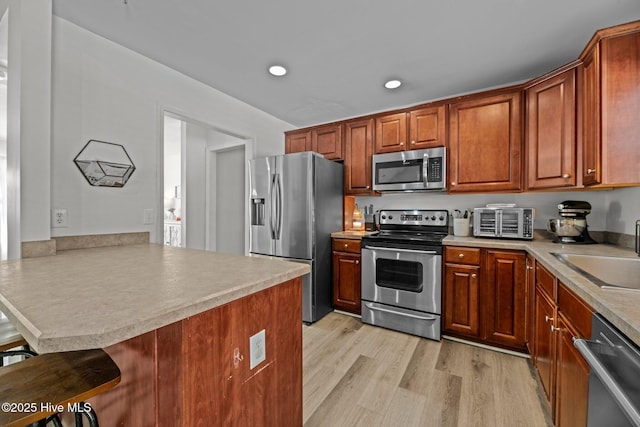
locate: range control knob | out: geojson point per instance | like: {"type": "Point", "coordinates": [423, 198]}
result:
{"type": "Point", "coordinates": [390, 216]}
{"type": "Point", "coordinates": [384, 217]}
{"type": "Point", "coordinates": [433, 218]}
{"type": "Point", "coordinates": [441, 218]}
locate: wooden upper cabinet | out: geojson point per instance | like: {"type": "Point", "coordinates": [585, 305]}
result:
{"type": "Point", "coordinates": [357, 159]}
{"type": "Point", "coordinates": [485, 144]}
{"type": "Point", "coordinates": [591, 161]}
{"type": "Point", "coordinates": [551, 132]}
{"type": "Point", "coordinates": [427, 128]}
{"type": "Point", "coordinates": [391, 133]}
{"type": "Point", "coordinates": [327, 140]}
{"type": "Point", "coordinates": [611, 107]}
{"type": "Point", "coordinates": [297, 141]}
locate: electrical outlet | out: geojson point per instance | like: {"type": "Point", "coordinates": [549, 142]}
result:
{"type": "Point", "coordinates": [148, 216]}
{"type": "Point", "coordinates": [59, 218]}
{"type": "Point", "coordinates": [257, 349]}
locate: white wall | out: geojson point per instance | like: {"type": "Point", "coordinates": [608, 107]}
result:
{"type": "Point", "coordinates": [545, 203]}
{"type": "Point", "coordinates": [231, 200]}
{"type": "Point", "coordinates": [623, 210]}
{"type": "Point", "coordinates": [104, 91]}
{"type": "Point", "coordinates": [194, 186]}
{"type": "Point", "coordinates": [28, 121]}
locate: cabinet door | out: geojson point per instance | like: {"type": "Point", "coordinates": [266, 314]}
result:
{"type": "Point", "coordinates": [551, 132]}
{"type": "Point", "coordinates": [572, 387]}
{"type": "Point", "coordinates": [504, 298]}
{"type": "Point", "coordinates": [591, 162]}
{"type": "Point", "coordinates": [327, 140]}
{"type": "Point", "coordinates": [296, 142]}
{"type": "Point", "coordinates": [346, 282]}
{"type": "Point", "coordinates": [485, 142]}
{"type": "Point", "coordinates": [461, 300]}
{"type": "Point", "coordinates": [427, 128]}
{"type": "Point", "coordinates": [545, 343]}
{"type": "Point", "coordinates": [530, 295]}
{"type": "Point", "coordinates": [358, 153]}
{"type": "Point", "coordinates": [391, 133]}
{"type": "Point", "coordinates": [620, 108]}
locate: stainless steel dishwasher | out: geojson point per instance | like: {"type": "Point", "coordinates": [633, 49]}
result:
{"type": "Point", "coordinates": [614, 383]}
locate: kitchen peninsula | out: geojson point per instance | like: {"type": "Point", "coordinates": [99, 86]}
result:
{"type": "Point", "coordinates": [177, 322]}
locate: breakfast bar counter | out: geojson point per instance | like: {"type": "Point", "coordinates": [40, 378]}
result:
{"type": "Point", "coordinates": [178, 324]}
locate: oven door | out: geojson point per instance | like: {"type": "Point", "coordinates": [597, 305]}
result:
{"type": "Point", "coordinates": [407, 278]}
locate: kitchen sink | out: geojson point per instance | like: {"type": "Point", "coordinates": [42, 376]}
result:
{"type": "Point", "coordinates": [605, 271]}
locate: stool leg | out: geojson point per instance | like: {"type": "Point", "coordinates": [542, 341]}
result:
{"type": "Point", "coordinates": [91, 416]}
{"type": "Point", "coordinates": [55, 419]}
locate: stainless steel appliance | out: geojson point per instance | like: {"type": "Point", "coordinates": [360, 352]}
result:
{"type": "Point", "coordinates": [402, 272]}
{"type": "Point", "coordinates": [296, 203]}
{"type": "Point", "coordinates": [614, 391]}
{"type": "Point", "coordinates": [414, 170]}
{"type": "Point", "coordinates": [572, 227]}
{"type": "Point", "coordinates": [506, 222]}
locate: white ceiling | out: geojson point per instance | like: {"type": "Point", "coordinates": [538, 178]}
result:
{"type": "Point", "coordinates": [340, 52]}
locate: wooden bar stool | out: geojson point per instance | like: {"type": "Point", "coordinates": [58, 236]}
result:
{"type": "Point", "coordinates": [49, 380]}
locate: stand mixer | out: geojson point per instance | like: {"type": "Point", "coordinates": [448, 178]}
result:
{"type": "Point", "coordinates": [572, 227]}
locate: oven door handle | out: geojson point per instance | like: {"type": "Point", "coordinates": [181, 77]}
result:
{"type": "Point", "coordinates": [630, 410]}
{"type": "Point", "coordinates": [412, 251]}
{"type": "Point", "coordinates": [386, 310]}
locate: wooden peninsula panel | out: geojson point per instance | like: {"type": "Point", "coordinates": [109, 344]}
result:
{"type": "Point", "coordinates": [196, 371]}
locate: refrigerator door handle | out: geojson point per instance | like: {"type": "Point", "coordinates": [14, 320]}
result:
{"type": "Point", "coordinates": [279, 206]}
{"type": "Point", "coordinates": [272, 207]}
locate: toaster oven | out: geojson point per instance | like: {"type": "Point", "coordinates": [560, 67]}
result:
{"type": "Point", "coordinates": [503, 222]}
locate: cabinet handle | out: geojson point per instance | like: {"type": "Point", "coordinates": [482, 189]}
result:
{"type": "Point", "coordinates": [346, 245]}
{"type": "Point", "coordinates": [357, 262]}
{"type": "Point", "coordinates": [547, 319]}
{"type": "Point", "coordinates": [367, 187]}
{"type": "Point", "coordinates": [554, 329]}
{"type": "Point", "coordinates": [590, 171]}
{"type": "Point", "coordinates": [474, 275]}
{"type": "Point", "coordinates": [566, 175]}
{"type": "Point", "coordinates": [402, 143]}
{"type": "Point", "coordinates": [413, 143]}
{"type": "Point", "coordinates": [453, 183]}
{"type": "Point", "coordinates": [529, 267]}
{"type": "Point", "coordinates": [460, 256]}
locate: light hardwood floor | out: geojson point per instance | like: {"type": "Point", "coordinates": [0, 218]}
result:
{"type": "Point", "coordinates": [360, 375]}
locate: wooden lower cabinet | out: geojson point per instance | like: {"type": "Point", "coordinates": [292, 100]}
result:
{"type": "Point", "coordinates": [545, 344]}
{"type": "Point", "coordinates": [559, 317]}
{"type": "Point", "coordinates": [484, 296]}
{"type": "Point", "coordinates": [572, 380]}
{"type": "Point", "coordinates": [462, 310]}
{"type": "Point", "coordinates": [197, 371]}
{"type": "Point", "coordinates": [346, 275]}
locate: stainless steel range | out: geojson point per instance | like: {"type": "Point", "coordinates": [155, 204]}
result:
{"type": "Point", "coordinates": [402, 272]}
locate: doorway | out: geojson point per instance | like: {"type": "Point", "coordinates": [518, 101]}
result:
{"type": "Point", "coordinates": [204, 186]}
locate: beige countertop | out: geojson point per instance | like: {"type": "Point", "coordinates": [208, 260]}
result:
{"type": "Point", "coordinates": [93, 298]}
{"type": "Point", "coordinates": [620, 307]}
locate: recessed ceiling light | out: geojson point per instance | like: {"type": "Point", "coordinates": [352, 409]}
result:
{"type": "Point", "coordinates": [277, 70]}
{"type": "Point", "coordinates": [393, 84]}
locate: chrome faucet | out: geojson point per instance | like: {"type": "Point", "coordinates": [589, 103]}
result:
{"type": "Point", "coordinates": [638, 237]}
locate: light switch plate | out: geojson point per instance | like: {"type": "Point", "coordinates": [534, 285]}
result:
{"type": "Point", "coordinates": [257, 349]}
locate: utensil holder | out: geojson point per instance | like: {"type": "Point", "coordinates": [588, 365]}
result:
{"type": "Point", "coordinates": [461, 227]}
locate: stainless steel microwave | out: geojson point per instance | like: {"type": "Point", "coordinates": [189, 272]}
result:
{"type": "Point", "coordinates": [414, 170]}
{"type": "Point", "coordinates": [504, 222]}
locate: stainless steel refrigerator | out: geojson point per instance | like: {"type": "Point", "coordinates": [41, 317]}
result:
{"type": "Point", "coordinates": [296, 203]}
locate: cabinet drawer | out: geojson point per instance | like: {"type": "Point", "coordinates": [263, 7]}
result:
{"type": "Point", "coordinates": [575, 310]}
{"type": "Point", "coordinates": [458, 255]}
{"type": "Point", "coordinates": [546, 281]}
{"type": "Point", "coordinates": [346, 245]}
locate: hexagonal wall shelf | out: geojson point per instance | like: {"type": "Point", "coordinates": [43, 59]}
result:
{"type": "Point", "coordinates": [105, 164]}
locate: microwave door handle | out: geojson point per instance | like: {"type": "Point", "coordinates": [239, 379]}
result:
{"type": "Point", "coordinates": [425, 170]}
{"type": "Point", "coordinates": [498, 223]}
